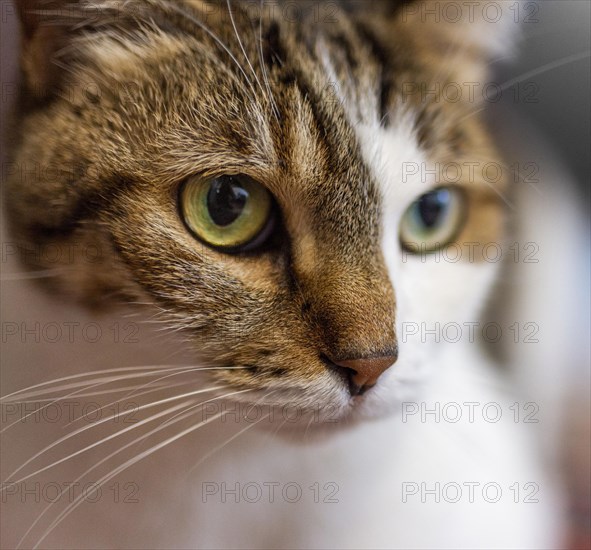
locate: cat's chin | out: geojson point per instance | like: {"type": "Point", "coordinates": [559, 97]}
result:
{"type": "Point", "coordinates": [305, 433]}
{"type": "Point", "coordinates": [331, 420]}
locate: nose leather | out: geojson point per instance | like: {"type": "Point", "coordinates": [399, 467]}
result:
{"type": "Point", "coordinates": [364, 372]}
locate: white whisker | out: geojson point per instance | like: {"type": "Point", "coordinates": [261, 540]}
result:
{"type": "Point", "coordinates": [132, 461]}
{"type": "Point", "coordinates": [213, 399]}
{"type": "Point", "coordinates": [263, 68]}
{"type": "Point", "coordinates": [80, 395]}
{"type": "Point", "coordinates": [148, 372]}
{"type": "Point", "coordinates": [94, 425]}
{"type": "Point", "coordinates": [97, 464]}
{"type": "Point", "coordinates": [135, 389]}
{"type": "Point", "coordinates": [91, 446]}
{"type": "Point", "coordinates": [242, 47]}
{"type": "Point", "coordinates": [217, 39]}
{"type": "Point", "coordinates": [228, 441]}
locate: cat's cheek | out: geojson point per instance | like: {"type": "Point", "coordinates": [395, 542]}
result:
{"type": "Point", "coordinates": [460, 291]}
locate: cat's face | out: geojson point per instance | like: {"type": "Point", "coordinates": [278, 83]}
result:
{"type": "Point", "coordinates": [257, 178]}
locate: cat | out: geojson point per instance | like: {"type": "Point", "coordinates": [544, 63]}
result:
{"type": "Point", "coordinates": [272, 181]}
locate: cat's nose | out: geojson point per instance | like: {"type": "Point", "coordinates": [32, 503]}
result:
{"type": "Point", "coordinates": [363, 373]}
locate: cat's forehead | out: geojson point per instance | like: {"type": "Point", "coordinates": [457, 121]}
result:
{"type": "Point", "coordinates": [249, 77]}
{"type": "Point", "coordinates": [327, 98]}
{"type": "Point", "coordinates": [270, 98]}
{"type": "Point", "coordinates": [311, 108]}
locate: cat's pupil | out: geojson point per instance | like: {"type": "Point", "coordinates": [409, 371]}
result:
{"type": "Point", "coordinates": [226, 200]}
{"type": "Point", "coordinates": [432, 206]}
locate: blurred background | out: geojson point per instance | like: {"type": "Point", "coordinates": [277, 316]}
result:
{"type": "Point", "coordinates": [545, 118]}
{"type": "Point", "coordinates": [553, 55]}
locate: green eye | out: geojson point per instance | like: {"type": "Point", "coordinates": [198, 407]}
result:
{"type": "Point", "coordinates": [433, 221]}
{"type": "Point", "coordinates": [233, 213]}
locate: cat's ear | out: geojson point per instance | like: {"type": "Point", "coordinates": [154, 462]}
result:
{"type": "Point", "coordinates": [47, 26]}
{"type": "Point", "coordinates": [489, 28]}
{"type": "Point", "coordinates": [470, 34]}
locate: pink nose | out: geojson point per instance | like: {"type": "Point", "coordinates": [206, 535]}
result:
{"type": "Point", "coordinates": [363, 373]}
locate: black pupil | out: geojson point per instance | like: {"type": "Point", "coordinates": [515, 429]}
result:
{"type": "Point", "coordinates": [226, 200]}
{"type": "Point", "coordinates": [432, 206]}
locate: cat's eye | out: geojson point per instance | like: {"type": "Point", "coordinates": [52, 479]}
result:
{"type": "Point", "coordinates": [232, 213]}
{"type": "Point", "coordinates": [433, 221]}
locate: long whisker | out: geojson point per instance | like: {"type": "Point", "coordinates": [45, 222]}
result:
{"type": "Point", "coordinates": [209, 32]}
{"type": "Point", "coordinates": [132, 461]}
{"type": "Point", "coordinates": [242, 47]}
{"type": "Point", "coordinates": [96, 465]}
{"type": "Point", "coordinates": [94, 425]}
{"type": "Point", "coordinates": [53, 401]}
{"type": "Point", "coordinates": [88, 384]}
{"type": "Point", "coordinates": [204, 458]}
{"type": "Point", "coordinates": [104, 440]}
{"type": "Point", "coordinates": [528, 74]}
{"type": "Point", "coordinates": [91, 373]}
{"type": "Point", "coordinates": [200, 369]}
{"type": "Point", "coordinates": [85, 386]}
{"type": "Point", "coordinates": [210, 400]}
{"type": "Point", "coordinates": [263, 67]}
{"type": "Point", "coordinates": [157, 388]}
{"type": "Point", "coordinates": [228, 441]}
{"type": "Point", "coordinates": [276, 431]}
{"type": "Point", "coordinates": [134, 391]}
{"type": "Point", "coordinates": [544, 69]}
{"type": "Point", "coordinates": [91, 394]}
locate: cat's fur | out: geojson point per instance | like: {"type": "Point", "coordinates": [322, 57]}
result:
{"type": "Point", "coordinates": [148, 93]}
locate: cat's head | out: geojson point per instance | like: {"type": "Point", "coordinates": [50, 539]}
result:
{"type": "Point", "coordinates": [280, 178]}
